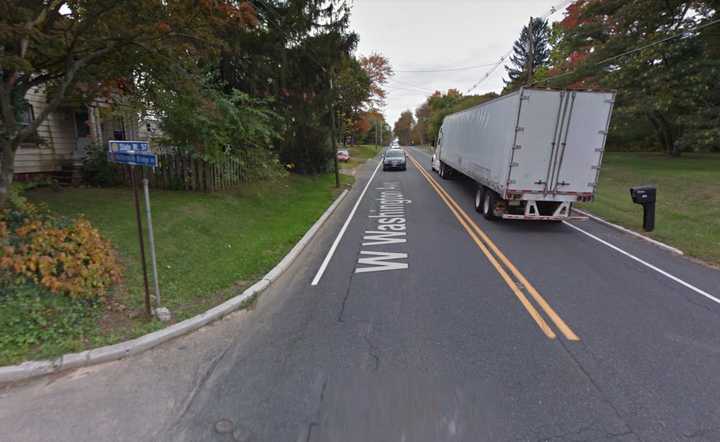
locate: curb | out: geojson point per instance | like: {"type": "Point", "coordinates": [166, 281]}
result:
{"type": "Point", "coordinates": [631, 232]}
{"type": "Point", "coordinates": [31, 369]}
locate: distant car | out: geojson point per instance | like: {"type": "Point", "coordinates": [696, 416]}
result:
{"type": "Point", "coordinates": [343, 155]}
{"type": "Point", "coordinates": [395, 146]}
{"type": "Point", "coordinates": [394, 159]}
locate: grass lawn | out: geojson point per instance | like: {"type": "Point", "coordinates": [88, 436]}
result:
{"type": "Point", "coordinates": [359, 154]}
{"type": "Point", "coordinates": [209, 248]}
{"type": "Point", "coordinates": [688, 207]}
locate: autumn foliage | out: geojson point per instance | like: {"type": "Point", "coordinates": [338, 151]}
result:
{"type": "Point", "coordinates": [67, 257]}
{"type": "Point", "coordinates": [379, 71]}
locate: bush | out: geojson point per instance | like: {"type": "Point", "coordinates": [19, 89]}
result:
{"type": "Point", "coordinates": [64, 256]}
{"type": "Point", "coordinates": [97, 170]}
{"type": "Point", "coordinates": [213, 125]}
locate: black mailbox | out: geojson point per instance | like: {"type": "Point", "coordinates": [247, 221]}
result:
{"type": "Point", "coordinates": [643, 194]}
{"type": "Point", "coordinates": [646, 197]}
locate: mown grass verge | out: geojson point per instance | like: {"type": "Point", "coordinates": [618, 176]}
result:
{"type": "Point", "coordinates": [359, 154]}
{"type": "Point", "coordinates": [210, 247]}
{"type": "Point", "coordinates": [688, 206]}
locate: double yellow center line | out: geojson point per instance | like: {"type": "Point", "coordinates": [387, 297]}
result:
{"type": "Point", "coordinates": [500, 262]}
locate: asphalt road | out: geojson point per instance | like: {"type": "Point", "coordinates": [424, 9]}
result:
{"type": "Point", "coordinates": [445, 327]}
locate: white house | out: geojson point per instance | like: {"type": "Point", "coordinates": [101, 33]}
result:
{"type": "Point", "coordinates": [68, 131]}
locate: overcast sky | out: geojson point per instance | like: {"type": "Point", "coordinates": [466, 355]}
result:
{"type": "Point", "coordinates": [441, 34]}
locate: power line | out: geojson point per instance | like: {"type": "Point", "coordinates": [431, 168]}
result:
{"type": "Point", "coordinates": [407, 93]}
{"type": "Point", "coordinates": [409, 85]}
{"type": "Point", "coordinates": [489, 72]}
{"type": "Point", "coordinates": [638, 49]}
{"type": "Point", "coordinates": [400, 88]}
{"type": "Point", "coordinates": [430, 70]}
{"type": "Point", "coordinates": [550, 12]}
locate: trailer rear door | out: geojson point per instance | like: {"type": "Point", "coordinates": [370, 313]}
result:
{"type": "Point", "coordinates": [537, 127]}
{"type": "Point", "coordinates": [578, 158]}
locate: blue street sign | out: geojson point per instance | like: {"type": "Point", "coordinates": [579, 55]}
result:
{"type": "Point", "coordinates": [147, 159]}
{"type": "Point", "coordinates": [133, 153]}
{"type": "Point", "coordinates": [129, 146]}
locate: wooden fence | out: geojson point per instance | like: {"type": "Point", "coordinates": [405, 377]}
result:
{"type": "Point", "coordinates": [182, 171]}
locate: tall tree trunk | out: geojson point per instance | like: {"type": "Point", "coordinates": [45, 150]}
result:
{"type": "Point", "coordinates": [672, 147]}
{"type": "Point", "coordinates": [7, 169]}
{"type": "Point", "coordinates": [342, 132]}
{"type": "Point", "coordinates": [665, 133]}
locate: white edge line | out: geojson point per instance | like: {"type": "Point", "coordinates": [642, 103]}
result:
{"type": "Point", "coordinates": [631, 256]}
{"type": "Point", "coordinates": [335, 243]}
{"type": "Point", "coordinates": [631, 232]}
{"type": "Point", "coordinates": [645, 263]}
{"type": "Point", "coordinates": [31, 369]}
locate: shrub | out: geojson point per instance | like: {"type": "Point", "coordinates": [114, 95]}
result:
{"type": "Point", "coordinates": [66, 257]}
{"type": "Point", "coordinates": [97, 170]}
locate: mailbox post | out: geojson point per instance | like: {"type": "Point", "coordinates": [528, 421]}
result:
{"type": "Point", "coordinates": [645, 196]}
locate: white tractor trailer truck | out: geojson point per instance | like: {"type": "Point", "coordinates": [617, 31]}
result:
{"type": "Point", "coordinates": [533, 153]}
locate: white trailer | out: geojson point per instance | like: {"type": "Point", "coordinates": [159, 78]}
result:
{"type": "Point", "coordinates": [533, 153]}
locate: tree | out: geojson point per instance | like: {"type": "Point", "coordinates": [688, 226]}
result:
{"type": "Point", "coordinates": [517, 69]}
{"type": "Point", "coordinates": [353, 92]}
{"type": "Point", "coordinates": [432, 112]}
{"type": "Point", "coordinates": [672, 81]}
{"type": "Point", "coordinates": [379, 71]}
{"type": "Point", "coordinates": [213, 124]}
{"type": "Point", "coordinates": [403, 127]}
{"type": "Point", "coordinates": [422, 118]}
{"type": "Point", "coordinates": [291, 56]}
{"type": "Point", "coordinates": [368, 125]}
{"type": "Point", "coordinates": [79, 49]}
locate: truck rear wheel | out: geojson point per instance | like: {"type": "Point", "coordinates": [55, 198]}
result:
{"type": "Point", "coordinates": [446, 172]}
{"type": "Point", "coordinates": [479, 197]}
{"type": "Point", "coordinates": [490, 201]}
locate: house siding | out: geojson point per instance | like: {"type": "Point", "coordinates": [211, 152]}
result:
{"type": "Point", "coordinates": [58, 132]}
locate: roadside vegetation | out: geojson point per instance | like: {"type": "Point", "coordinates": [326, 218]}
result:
{"type": "Point", "coordinates": [359, 154]}
{"type": "Point", "coordinates": [210, 247]}
{"type": "Point", "coordinates": [662, 59]}
{"type": "Point", "coordinates": [227, 82]}
{"type": "Point", "coordinates": [688, 207]}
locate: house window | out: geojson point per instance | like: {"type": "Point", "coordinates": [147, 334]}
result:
{"type": "Point", "coordinates": [26, 114]}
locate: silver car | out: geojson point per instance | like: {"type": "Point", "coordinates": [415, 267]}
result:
{"type": "Point", "coordinates": [394, 159]}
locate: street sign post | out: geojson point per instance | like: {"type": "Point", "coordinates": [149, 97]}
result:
{"type": "Point", "coordinates": [137, 154]}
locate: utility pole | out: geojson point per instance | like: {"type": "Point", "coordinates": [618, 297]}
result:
{"type": "Point", "coordinates": [332, 130]}
{"type": "Point", "coordinates": [377, 139]}
{"type": "Point", "coordinates": [382, 127]}
{"type": "Point", "coordinates": [530, 52]}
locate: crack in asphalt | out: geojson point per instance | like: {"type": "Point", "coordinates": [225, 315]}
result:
{"type": "Point", "coordinates": [602, 394]}
{"type": "Point", "coordinates": [341, 313]}
{"type": "Point", "coordinates": [197, 387]}
{"type": "Point", "coordinates": [372, 349]}
{"type": "Point", "coordinates": [577, 434]}
{"type": "Point", "coordinates": [701, 432]}
{"type": "Point", "coordinates": [315, 423]}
